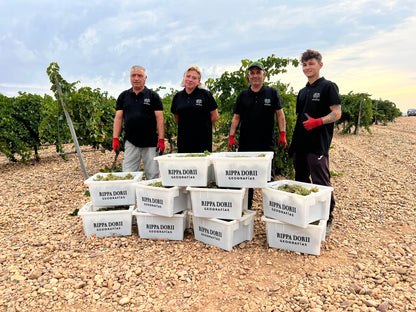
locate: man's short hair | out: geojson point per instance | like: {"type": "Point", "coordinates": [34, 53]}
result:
{"type": "Point", "coordinates": [138, 67]}
{"type": "Point", "coordinates": [311, 54]}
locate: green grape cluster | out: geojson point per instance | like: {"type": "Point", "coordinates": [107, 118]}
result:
{"type": "Point", "coordinates": [112, 177]}
{"type": "Point", "coordinates": [205, 153]}
{"type": "Point", "coordinates": [158, 184]}
{"type": "Point", "coordinates": [297, 189]}
{"type": "Point", "coordinates": [113, 208]}
{"type": "Point", "coordinates": [259, 155]}
{"type": "Point", "coordinates": [212, 185]}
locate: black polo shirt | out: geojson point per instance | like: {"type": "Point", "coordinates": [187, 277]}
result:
{"type": "Point", "coordinates": [194, 120]}
{"type": "Point", "coordinates": [140, 126]}
{"type": "Point", "coordinates": [315, 100]}
{"type": "Point", "coordinates": [257, 112]}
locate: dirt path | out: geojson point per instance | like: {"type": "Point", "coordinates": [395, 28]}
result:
{"type": "Point", "coordinates": [367, 263]}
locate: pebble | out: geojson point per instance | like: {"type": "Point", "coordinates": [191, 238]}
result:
{"type": "Point", "coordinates": [347, 303]}
{"type": "Point", "coordinates": [35, 274]}
{"type": "Point", "coordinates": [124, 301]}
{"type": "Point", "coordinates": [383, 307]}
{"type": "Point", "coordinates": [79, 285]}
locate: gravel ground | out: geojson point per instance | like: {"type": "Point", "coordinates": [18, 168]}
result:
{"type": "Point", "coordinates": [367, 264]}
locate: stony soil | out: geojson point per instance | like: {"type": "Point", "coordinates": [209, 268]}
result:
{"type": "Point", "coordinates": [367, 264]}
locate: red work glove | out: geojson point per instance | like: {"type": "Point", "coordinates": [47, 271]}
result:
{"type": "Point", "coordinates": [161, 145]}
{"type": "Point", "coordinates": [312, 123]}
{"type": "Point", "coordinates": [232, 143]}
{"type": "Point", "coordinates": [116, 145]}
{"type": "Point", "coordinates": [282, 139]}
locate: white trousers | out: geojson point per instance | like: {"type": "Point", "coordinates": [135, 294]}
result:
{"type": "Point", "coordinates": [133, 156]}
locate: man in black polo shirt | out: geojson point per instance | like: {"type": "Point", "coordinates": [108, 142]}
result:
{"type": "Point", "coordinates": [144, 129]}
{"type": "Point", "coordinates": [318, 106]}
{"type": "Point", "coordinates": [254, 112]}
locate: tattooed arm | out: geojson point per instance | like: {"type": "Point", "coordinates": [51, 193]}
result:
{"type": "Point", "coordinates": [334, 115]}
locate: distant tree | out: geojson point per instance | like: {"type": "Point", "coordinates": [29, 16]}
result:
{"type": "Point", "coordinates": [9, 139]}
{"type": "Point", "coordinates": [357, 111]}
{"type": "Point", "coordinates": [385, 111]}
{"type": "Point", "coordinates": [19, 125]}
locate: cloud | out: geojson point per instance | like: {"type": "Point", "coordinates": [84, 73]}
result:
{"type": "Point", "coordinates": [87, 41]}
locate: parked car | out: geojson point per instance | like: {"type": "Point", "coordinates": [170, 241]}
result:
{"type": "Point", "coordinates": [411, 112]}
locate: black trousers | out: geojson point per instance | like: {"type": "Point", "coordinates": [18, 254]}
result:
{"type": "Point", "coordinates": [313, 168]}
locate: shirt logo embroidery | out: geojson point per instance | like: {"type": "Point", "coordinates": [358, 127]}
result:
{"type": "Point", "coordinates": [267, 102]}
{"type": "Point", "coordinates": [146, 101]}
{"type": "Point", "coordinates": [316, 97]}
{"type": "Point", "coordinates": [198, 102]}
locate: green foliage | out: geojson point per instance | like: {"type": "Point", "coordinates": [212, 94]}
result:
{"type": "Point", "coordinates": [351, 105]}
{"type": "Point", "coordinates": [19, 134]}
{"type": "Point", "coordinates": [53, 129]}
{"type": "Point", "coordinates": [110, 169]}
{"type": "Point", "coordinates": [334, 174]}
{"type": "Point", "coordinates": [171, 128]}
{"type": "Point", "coordinates": [385, 111]}
{"type": "Point", "coordinates": [283, 162]}
{"type": "Point", "coordinates": [225, 91]}
{"type": "Point", "coordinates": [74, 213]}
{"type": "Point", "coordinates": [92, 113]}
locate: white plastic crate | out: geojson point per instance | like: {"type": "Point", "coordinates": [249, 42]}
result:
{"type": "Point", "coordinates": [290, 237]}
{"type": "Point", "coordinates": [218, 203]}
{"type": "Point", "coordinates": [224, 234]}
{"type": "Point", "coordinates": [296, 209]}
{"type": "Point", "coordinates": [179, 169]}
{"type": "Point", "coordinates": [160, 200]}
{"type": "Point", "coordinates": [153, 226]}
{"type": "Point", "coordinates": [242, 169]}
{"type": "Point", "coordinates": [113, 193]}
{"type": "Point", "coordinates": [106, 223]}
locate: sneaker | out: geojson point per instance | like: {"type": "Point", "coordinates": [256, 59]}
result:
{"type": "Point", "coordinates": [328, 228]}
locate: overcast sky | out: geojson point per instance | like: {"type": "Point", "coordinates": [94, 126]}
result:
{"type": "Point", "coordinates": [367, 46]}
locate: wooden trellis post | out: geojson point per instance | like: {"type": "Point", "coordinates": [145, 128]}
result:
{"type": "Point", "coordinates": [357, 128]}
{"type": "Point", "coordinates": [71, 128]}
